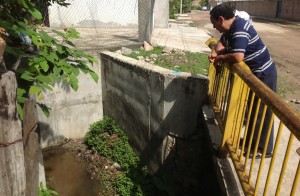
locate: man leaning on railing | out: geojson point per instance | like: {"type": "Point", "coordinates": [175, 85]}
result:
{"type": "Point", "coordinates": [240, 42]}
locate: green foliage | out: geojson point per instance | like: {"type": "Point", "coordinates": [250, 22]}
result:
{"type": "Point", "coordinates": [44, 191]}
{"type": "Point", "coordinates": [106, 138]}
{"type": "Point", "coordinates": [109, 140]}
{"type": "Point", "coordinates": [174, 7]}
{"type": "Point", "coordinates": [182, 61]}
{"type": "Point", "coordinates": [55, 60]}
{"type": "Point", "coordinates": [204, 2]}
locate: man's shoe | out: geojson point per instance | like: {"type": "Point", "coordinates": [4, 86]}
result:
{"type": "Point", "coordinates": [259, 155]}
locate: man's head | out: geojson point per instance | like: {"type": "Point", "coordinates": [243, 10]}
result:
{"type": "Point", "coordinates": [221, 17]}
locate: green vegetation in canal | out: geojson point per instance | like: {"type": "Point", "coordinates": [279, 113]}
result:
{"type": "Point", "coordinates": [177, 60]}
{"type": "Point", "coordinates": [45, 191]}
{"type": "Point", "coordinates": [107, 139]}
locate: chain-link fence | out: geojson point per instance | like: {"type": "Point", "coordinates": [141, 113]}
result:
{"type": "Point", "coordinates": [101, 23]}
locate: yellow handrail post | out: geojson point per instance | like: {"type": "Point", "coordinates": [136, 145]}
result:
{"type": "Point", "coordinates": [231, 122]}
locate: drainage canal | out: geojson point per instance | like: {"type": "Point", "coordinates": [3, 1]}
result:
{"type": "Point", "coordinates": [188, 170]}
{"type": "Point", "coordinates": [67, 174]}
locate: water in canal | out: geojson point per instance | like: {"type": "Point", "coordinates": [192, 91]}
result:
{"type": "Point", "coordinates": [67, 174]}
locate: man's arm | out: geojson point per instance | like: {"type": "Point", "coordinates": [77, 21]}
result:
{"type": "Point", "coordinates": [220, 48]}
{"type": "Point", "coordinates": [229, 58]}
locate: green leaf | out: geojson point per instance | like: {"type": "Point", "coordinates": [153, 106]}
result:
{"type": "Point", "coordinates": [21, 91]}
{"type": "Point", "coordinates": [33, 90]}
{"type": "Point", "coordinates": [36, 41]}
{"type": "Point", "coordinates": [27, 76]}
{"type": "Point", "coordinates": [20, 111]}
{"type": "Point", "coordinates": [44, 65]}
{"type": "Point", "coordinates": [79, 53]}
{"type": "Point", "coordinates": [44, 79]}
{"type": "Point", "coordinates": [60, 49]}
{"type": "Point", "coordinates": [74, 82]}
{"type": "Point", "coordinates": [75, 70]}
{"type": "Point", "coordinates": [46, 86]}
{"type": "Point", "coordinates": [70, 51]}
{"type": "Point", "coordinates": [51, 57]}
{"type": "Point", "coordinates": [58, 33]}
{"type": "Point", "coordinates": [34, 12]}
{"type": "Point", "coordinates": [72, 33]}
{"type": "Point", "coordinates": [62, 63]}
{"type": "Point", "coordinates": [70, 43]}
{"type": "Point", "coordinates": [94, 76]}
{"type": "Point", "coordinates": [66, 69]}
{"type": "Point", "coordinates": [45, 37]}
{"type": "Point", "coordinates": [38, 59]}
{"type": "Point", "coordinates": [92, 59]}
{"type": "Point", "coordinates": [13, 51]}
{"type": "Point", "coordinates": [56, 70]}
{"type": "Point", "coordinates": [45, 109]}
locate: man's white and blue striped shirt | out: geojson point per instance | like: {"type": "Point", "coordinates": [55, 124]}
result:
{"type": "Point", "coordinates": [243, 38]}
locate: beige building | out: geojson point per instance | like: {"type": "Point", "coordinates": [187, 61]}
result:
{"type": "Point", "coordinates": [284, 9]}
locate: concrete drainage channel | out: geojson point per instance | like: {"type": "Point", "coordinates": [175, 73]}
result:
{"type": "Point", "coordinates": [188, 169]}
{"type": "Point", "coordinates": [161, 112]}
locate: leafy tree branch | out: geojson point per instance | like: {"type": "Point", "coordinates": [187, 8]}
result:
{"type": "Point", "coordinates": [49, 59]}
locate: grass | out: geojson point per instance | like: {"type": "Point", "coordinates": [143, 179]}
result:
{"type": "Point", "coordinates": [185, 61]}
{"type": "Point", "coordinates": [177, 60]}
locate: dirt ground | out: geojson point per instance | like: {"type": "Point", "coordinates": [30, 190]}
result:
{"type": "Point", "coordinates": [282, 41]}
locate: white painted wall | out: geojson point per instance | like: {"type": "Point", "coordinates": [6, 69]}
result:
{"type": "Point", "coordinates": [94, 13]}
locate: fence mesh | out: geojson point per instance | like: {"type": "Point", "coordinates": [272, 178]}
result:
{"type": "Point", "coordinates": [101, 23]}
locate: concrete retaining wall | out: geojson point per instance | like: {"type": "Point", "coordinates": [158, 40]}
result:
{"type": "Point", "coordinates": [71, 112]}
{"type": "Point", "coordinates": [152, 105]}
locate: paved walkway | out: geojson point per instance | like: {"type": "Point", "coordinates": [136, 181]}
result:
{"type": "Point", "coordinates": [182, 35]}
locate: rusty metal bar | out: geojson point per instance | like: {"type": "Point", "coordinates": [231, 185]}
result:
{"type": "Point", "coordinates": [285, 113]}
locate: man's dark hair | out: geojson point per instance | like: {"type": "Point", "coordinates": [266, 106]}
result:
{"type": "Point", "coordinates": [223, 10]}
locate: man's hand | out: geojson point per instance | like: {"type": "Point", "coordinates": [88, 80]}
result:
{"type": "Point", "coordinates": [212, 57]}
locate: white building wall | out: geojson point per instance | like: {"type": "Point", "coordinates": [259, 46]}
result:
{"type": "Point", "coordinates": [94, 13]}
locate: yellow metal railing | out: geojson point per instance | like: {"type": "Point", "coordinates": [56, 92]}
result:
{"type": "Point", "coordinates": [238, 96]}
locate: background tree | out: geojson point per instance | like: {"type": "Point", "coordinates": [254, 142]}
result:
{"type": "Point", "coordinates": [204, 2]}
{"type": "Point", "coordinates": [45, 59]}
{"type": "Point", "coordinates": [175, 7]}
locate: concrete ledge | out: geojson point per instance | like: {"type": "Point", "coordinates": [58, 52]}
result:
{"type": "Point", "coordinates": [227, 176]}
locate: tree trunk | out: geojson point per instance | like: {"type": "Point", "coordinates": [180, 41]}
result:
{"type": "Point", "coordinates": [12, 169]}
{"type": "Point", "coordinates": [32, 148]}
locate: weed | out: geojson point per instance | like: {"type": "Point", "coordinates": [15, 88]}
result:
{"type": "Point", "coordinates": [44, 191]}
{"type": "Point", "coordinates": [107, 139]}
